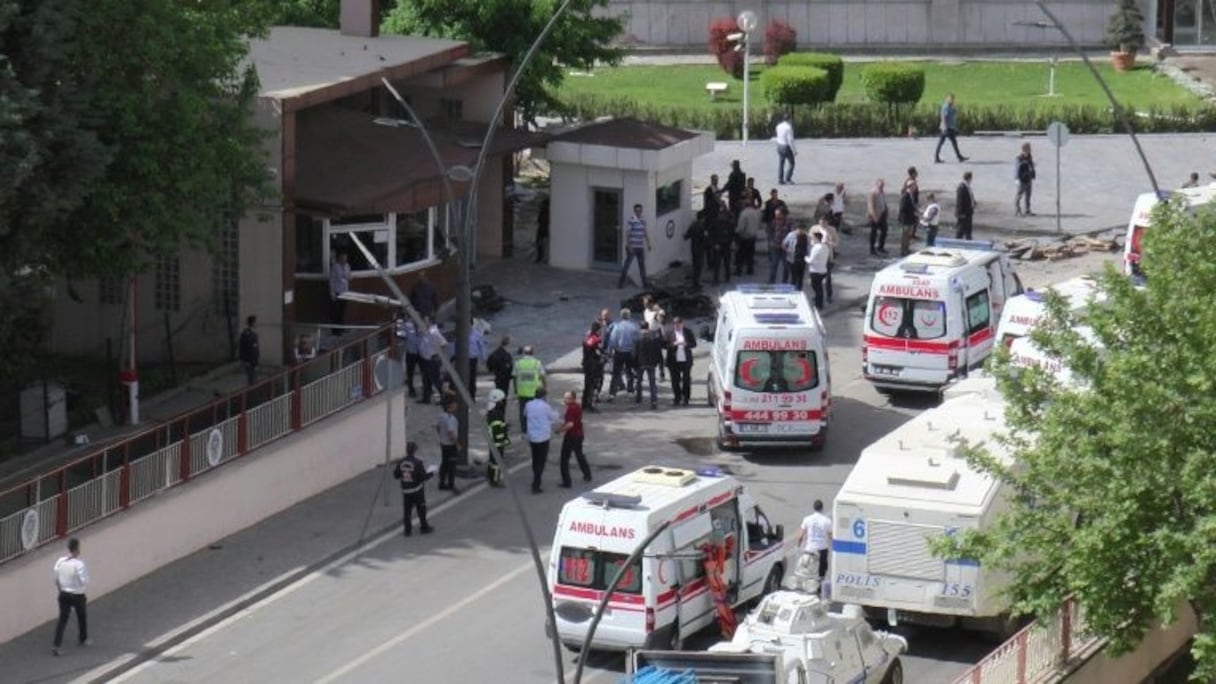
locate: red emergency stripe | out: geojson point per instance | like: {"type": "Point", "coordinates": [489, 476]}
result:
{"type": "Point", "coordinates": [741, 415]}
{"type": "Point", "coordinates": [976, 338]}
{"type": "Point", "coordinates": [690, 512]}
{"type": "Point", "coordinates": [597, 595]}
{"type": "Point", "coordinates": [633, 602]}
{"type": "Point", "coordinates": [901, 344]}
{"type": "Point", "coordinates": [750, 556]}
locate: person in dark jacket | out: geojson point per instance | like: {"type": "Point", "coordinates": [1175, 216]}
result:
{"type": "Point", "coordinates": [736, 185]}
{"type": "Point", "coordinates": [647, 355]}
{"type": "Point", "coordinates": [425, 297]}
{"type": "Point", "coordinates": [680, 342]}
{"type": "Point", "coordinates": [722, 241]}
{"type": "Point", "coordinates": [248, 350]}
{"type": "Point", "coordinates": [593, 366]}
{"type": "Point", "coordinates": [964, 208]}
{"type": "Point", "coordinates": [501, 363]}
{"type": "Point", "coordinates": [909, 211]}
{"type": "Point", "coordinates": [496, 420]}
{"type": "Point", "coordinates": [412, 473]}
{"type": "Point", "coordinates": [698, 242]}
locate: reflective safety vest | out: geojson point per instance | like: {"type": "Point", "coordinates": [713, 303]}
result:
{"type": "Point", "coordinates": [527, 377]}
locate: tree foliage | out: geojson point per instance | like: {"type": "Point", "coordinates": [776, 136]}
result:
{"type": "Point", "coordinates": [1115, 483]}
{"type": "Point", "coordinates": [580, 40]}
{"type": "Point", "coordinates": [124, 133]}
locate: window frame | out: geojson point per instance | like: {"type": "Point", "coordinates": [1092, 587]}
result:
{"type": "Point", "coordinates": [602, 570]}
{"type": "Point", "coordinates": [438, 235]}
{"type": "Point", "coordinates": [664, 195]}
{"type": "Point", "coordinates": [973, 327]}
{"type": "Point", "coordinates": [775, 355]}
{"type": "Point", "coordinates": [907, 307]}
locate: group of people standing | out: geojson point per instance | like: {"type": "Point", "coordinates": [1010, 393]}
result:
{"type": "Point", "coordinates": [631, 352]}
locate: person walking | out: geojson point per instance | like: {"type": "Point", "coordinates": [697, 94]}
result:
{"type": "Point", "coordinates": [448, 429]}
{"type": "Point", "coordinates": [768, 211]}
{"type": "Point", "coordinates": [876, 216]}
{"type": "Point", "coordinates": [680, 342]}
{"type": "Point", "coordinates": [529, 374]}
{"type": "Point", "coordinates": [784, 138]}
{"type": "Point", "coordinates": [815, 536]}
{"type": "Point", "coordinates": [839, 198]}
{"type": "Point", "coordinates": [339, 284]}
{"type": "Point", "coordinates": [909, 211]}
{"type": "Point", "coordinates": [647, 354]}
{"type": "Point", "coordinates": [71, 580]}
{"type": "Point", "coordinates": [620, 343]}
{"type": "Point", "coordinates": [736, 184]}
{"type": "Point", "coordinates": [746, 230]}
{"type": "Point", "coordinates": [947, 124]}
{"type": "Point", "coordinates": [723, 239]}
{"type": "Point", "coordinates": [248, 349]}
{"type": "Point", "coordinates": [797, 246]}
{"type": "Point", "coordinates": [695, 233]}
{"type": "Point", "coordinates": [430, 345]}
{"type": "Point", "coordinates": [832, 240]}
{"type": "Point", "coordinates": [778, 229]}
{"type": "Point", "coordinates": [1024, 173]}
{"type": "Point", "coordinates": [964, 208]}
{"type": "Point", "coordinates": [817, 265]}
{"type": "Point", "coordinates": [572, 440]}
{"type": "Point", "coordinates": [711, 200]}
{"type": "Point", "coordinates": [501, 364]}
{"type": "Point", "coordinates": [413, 474]}
{"type": "Point", "coordinates": [637, 243]}
{"type": "Point", "coordinates": [930, 217]}
{"type": "Point", "coordinates": [407, 334]}
{"type": "Point", "coordinates": [540, 419]}
{"type": "Point", "coordinates": [593, 366]}
{"type": "Point", "coordinates": [496, 421]}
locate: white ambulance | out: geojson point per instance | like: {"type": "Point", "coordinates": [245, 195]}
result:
{"type": "Point", "coordinates": [932, 316]}
{"type": "Point", "coordinates": [768, 370]}
{"type": "Point", "coordinates": [1023, 312]}
{"type": "Point", "coordinates": [1142, 218]}
{"type": "Point", "coordinates": [665, 597]}
{"type": "Point", "coordinates": [911, 486]}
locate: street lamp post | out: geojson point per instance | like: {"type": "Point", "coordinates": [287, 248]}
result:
{"type": "Point", "coordinates": [747, 22]}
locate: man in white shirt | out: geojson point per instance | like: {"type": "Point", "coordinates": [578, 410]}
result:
{"type": "Point", "coordinates": [831, 238]}
{"type": "Point", "coordinates": [540, 418]}
{"type": "Point", "coordinates": [815, 536]}
{"type": "Point", "coordinates": [930, 218]}
{"type": "Point", "coordinates": [817, 266]}
{"type": "Point", "coordinates": [785, 150]}
{"type": "Point", "coordinates": [71, 578]}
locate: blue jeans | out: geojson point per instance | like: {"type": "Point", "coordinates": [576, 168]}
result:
{"type": "Point", "coordinates": [630, 255]}
{"type": "Point", "coordinates": [784, 154]}
{"type": "Point", "coordinates": [648, 373]}
{"type": "Point", "coordinates": [776, 260]}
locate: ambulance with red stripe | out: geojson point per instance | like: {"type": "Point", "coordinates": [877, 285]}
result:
{"type": "Point", "coordinates": [664, 597]}
{"type": "Point", "coordinates": [768, 371]}
{"type": "Point", "coordinates": [932, 316]}
{"type": "Point", "coordinates": [1142, 219]}
{"type": "Point", "coordinates": [1023, 312]}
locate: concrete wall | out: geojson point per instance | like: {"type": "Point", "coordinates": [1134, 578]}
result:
{"type": "Point", "coordinates": [571, 188]}
{"type": "Point", "coordinates": [260, 242]}
{"type": "Point", "coordinates": [931, 25]}
{"type": "Point", "coordinates": [1158, 645]}
{"type": "Point", "coordinates": [182, 520]}
{"type": "Point", "coordinates": [670, 248]}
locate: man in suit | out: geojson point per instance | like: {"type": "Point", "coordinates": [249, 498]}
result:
{"type": "Point", "coordinates": [680, 342]}
{"type": "Point", "coordinates": [964, 208]}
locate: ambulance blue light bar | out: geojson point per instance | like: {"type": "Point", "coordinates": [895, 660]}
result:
{"type": "Point", "coordinates": [978, 245]}
{"type": "Point", "coordinates": [710, 471]}
{"type": "Point", "coordinates": [761, 288]}
{"type": "Point", "coordinates": [610, 500]}
{"type": "Point", "coordinates": [778, 318]}
{"type": "Point", "coordinates": [1034, 295]}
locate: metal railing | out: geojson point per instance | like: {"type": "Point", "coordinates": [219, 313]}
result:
{"type": "Point", "coordinates": [116, 476]}
{"type": "Point", "coordinates": [1036, 652]}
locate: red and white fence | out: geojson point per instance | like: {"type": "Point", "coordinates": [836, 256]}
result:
{"type": "Point", "coordinates": [1035, 653]}
{"type": "Point", "coordinates": [119, 475]}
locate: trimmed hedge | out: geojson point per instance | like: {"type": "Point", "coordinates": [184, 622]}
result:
{"type": "Point", "coordinates": [874, 120]}
{"type": "Point", "coordinates": [893, 83]}
{"type": "Point", "coordinates": [790, 85]}
{"type": "Point", "coordinates": [833, 64]}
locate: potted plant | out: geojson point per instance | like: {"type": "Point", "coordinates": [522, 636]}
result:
{"type": "Point", "coordinates": [1125, 34]}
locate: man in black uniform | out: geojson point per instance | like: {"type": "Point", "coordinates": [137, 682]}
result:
{"type": "Point", "coordinates": [413, 475]}
{"type": "Point", "coordinates": [501, 364]}
{"type": "Point", "coordinates": [698, 239]}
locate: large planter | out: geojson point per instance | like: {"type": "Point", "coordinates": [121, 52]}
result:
{"type": "Point", "coordinates": [1123, 61]}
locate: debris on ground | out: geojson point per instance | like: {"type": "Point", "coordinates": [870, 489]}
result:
{"type": "Point", "coordinates": [1031, 249]}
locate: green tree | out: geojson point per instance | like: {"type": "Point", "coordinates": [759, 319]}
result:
{"type": "Point", "coordinates": [125, 132]}
{"type": "Point", "coordinates": [580, 40]}
{"type": "Point", "coordinates": [1115, 487]}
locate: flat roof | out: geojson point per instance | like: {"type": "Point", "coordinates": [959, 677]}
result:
{"type": "Point", "coordinates": [628, 133]}
{"type": "Point", "coordinates": [292, 61]}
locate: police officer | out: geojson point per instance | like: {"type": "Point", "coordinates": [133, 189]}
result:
{"type": "Point", "coordinates": [496, 419]}
{"type": "Point", "coordinates": [412, 473]}
{"type": "Point", "coordinates": [529, 376]}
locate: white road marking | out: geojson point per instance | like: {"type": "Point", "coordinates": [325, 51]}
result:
{"type": "Point", "coordinates": [425, 624]}
{"type": "Point", "coordinates": [98, 672]}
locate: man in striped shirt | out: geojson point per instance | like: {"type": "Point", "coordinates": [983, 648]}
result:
{"type": "Point", "coordinates": [637, 243]}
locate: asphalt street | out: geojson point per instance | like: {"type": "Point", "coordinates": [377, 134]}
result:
{"type": "Point", "coordinates": [464, 604]}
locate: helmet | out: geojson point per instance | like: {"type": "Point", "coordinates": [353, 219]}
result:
{"type": "Point", "coordinates": [496, 395]}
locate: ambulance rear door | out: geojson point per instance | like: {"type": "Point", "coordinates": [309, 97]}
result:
{"type": "Point", "coordinates": [908, 339]}
{"type": "Point", "coordinates": [778, 388]}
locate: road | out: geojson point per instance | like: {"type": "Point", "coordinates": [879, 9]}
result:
{"type": "Point", "coordinates": [464, 605]}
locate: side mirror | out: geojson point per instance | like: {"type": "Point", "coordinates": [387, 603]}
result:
{"type": "Point", "coordinates": [779, 531]}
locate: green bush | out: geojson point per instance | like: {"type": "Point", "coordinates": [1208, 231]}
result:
{"type": "Point", "coordinates": [832, 64]}
{"type": "Point", "coordinates": [796, 85]}
{"type": "Point", "coordinates": [874, 120]}
{"type": "Point", "coordinates": [893, 83]}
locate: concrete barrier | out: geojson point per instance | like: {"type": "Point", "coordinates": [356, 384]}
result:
{"type": "Point", "coordinates": [184, 519]}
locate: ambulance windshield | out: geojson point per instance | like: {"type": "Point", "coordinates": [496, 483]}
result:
{"type": "Point", "coordinates": [776, 372]}
{"type": "Point", "coordinates": [596, 570]}
{"type": "Point", "coordinates": [913, 319]}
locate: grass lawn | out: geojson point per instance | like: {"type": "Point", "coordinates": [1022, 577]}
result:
{"type": "Point", "coordinates": [974, 84]}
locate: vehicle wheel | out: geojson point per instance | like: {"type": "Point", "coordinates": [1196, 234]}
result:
{"type": "Point", "coordinates": [821, 441]}
{"type": "Point", "coordinates": [773, 581]}
{"type": "Point", "coordinates": [895, 675]}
